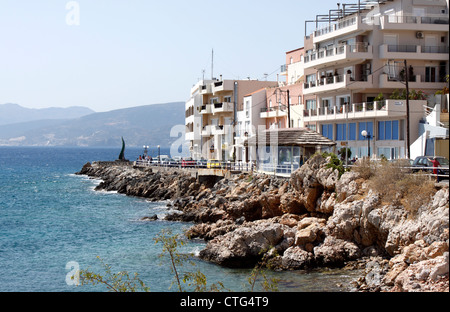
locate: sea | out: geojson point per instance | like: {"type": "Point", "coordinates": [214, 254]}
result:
{"type": "Point", "coordinates": [53, 223]}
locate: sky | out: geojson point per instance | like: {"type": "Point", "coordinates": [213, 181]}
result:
{"type": "Point", "coordinates": [111, 54]}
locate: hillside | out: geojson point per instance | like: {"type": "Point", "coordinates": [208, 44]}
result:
{"type": "Point", "coordinates": [14, 113]}
{"type": "Point", "coordinates": [142, 125]}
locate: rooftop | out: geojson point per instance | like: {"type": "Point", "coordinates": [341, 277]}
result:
{"type": "Point", "coordinates": [290, 137]}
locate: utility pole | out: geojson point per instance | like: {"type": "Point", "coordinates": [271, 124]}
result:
{"type": "Point", "coordinates": [408, 145]}
{"type": "Point", "coordinates": [289, 109]}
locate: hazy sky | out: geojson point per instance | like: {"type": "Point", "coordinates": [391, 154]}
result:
{"type": "Point", "coordinates": [110, 54]}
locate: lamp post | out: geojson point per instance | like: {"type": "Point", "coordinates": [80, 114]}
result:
{"type": "Point", "coordinates": [146, 150]}
{"type": "Point", "coordinates": [159, 154]}
{"type": "Point", "coordinates": [367, 135]}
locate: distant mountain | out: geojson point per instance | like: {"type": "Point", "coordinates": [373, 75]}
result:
{"type": "Point", "coordinates": [141, 125]}
{"type": "Point", "coordinates": [14, 113]}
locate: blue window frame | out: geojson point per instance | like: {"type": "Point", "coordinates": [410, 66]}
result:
{"type": "Point", "coordinates": [341, 132]}
{"type": "Point", "coordinates": [380, 130]}
{"type": "Point", "coordinates": [388, 130]}
{"type": "Point", "coordinates": [395, 128]}
{"type": "Point", "coordinates": [368, 126]}
{"type": "Point", "coordinates": [352, 131]}
{"type": "Point", "coordinates": [327, 131]}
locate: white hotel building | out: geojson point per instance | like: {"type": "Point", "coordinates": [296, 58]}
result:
{"type": "Point", "coordinates": [354, 62]}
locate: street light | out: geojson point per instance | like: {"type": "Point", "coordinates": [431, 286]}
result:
{"type": "Point", "coordinates": [146, 150]}
{"type": "Point", "coordinates": [159, 155]}
{"type": "Point", "coordinates": [367, 135]}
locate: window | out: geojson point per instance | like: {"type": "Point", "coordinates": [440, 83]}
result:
{"type": "Point", "coordinates": [352, 131]}
{"type": "Point", "coordinates": [395, 130]}
{"type": "Point", "coordinates": [312, 127]}
{"type": "Point", "coordinates": [310, 79]}
{"type": "Point", "coordinates": [388, 130]}
{"type": "Point", "coordinates": [310, 104]}
{"type": "Point", "coordinates": [430, 73]}
{"type": "Point", "coordinates": [300, 99]}
{"type": "Point", "coordinates": [341, 132]}
{"type": "Point", "coordinates": [368, 126]}
{"type": "Point", "coordinates": [381, 130]}
{"type": "Point", "coordinates": [327, 131]}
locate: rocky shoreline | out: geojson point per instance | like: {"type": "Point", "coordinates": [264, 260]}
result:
{"type": "Point", "coordinates": [314, 219]}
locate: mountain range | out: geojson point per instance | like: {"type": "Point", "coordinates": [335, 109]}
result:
{"type": "Point", "coordinates": [80, 126]}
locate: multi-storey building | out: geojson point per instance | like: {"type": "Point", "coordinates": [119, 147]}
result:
{"type": "Point", "coordinates": [213, 110]}
{"type": "Point", "coordinates": [283, 101]}
{"type": "Point", "coordinates": [193, 119]}
{"type": "Point", "coordinates": [359, 62]}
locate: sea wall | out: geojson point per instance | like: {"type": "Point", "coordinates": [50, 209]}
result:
{"type": "Point", "coordinates": [313, 219]}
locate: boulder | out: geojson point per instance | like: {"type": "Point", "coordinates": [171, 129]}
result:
{"type": "Point", "coordinates": [244, 246]}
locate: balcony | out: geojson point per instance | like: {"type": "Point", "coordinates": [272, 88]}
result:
{"type": "Point", "coordinates": [273, 112]}
{"type": "Point", "coordinates": [415, 82]}
{"type": "Point", "coordinates": [386, 108]}
{"type": "Point", "coordinates": [222, 85]}
{"type": "Point", "coordinates": [414, 52]}
{"type": "Point", "coordinates": [205, 109]}
{"type": "Point", "coordinates": [330, 83]}
{"type": "Point", "coordinates": [216, 130]}
{"type": "Point", "coordinates": [207, 131]}
{"type": "Point", "coordinates": [345, 26]}
{"type": "Point", "coordinates": [417, 23]}
{"type": "Point", "coordinates": [337, 55]}
{"type": "Point", "coordinates": [206, 88]}
{"type": "Point", "coordinates": [225, 107]}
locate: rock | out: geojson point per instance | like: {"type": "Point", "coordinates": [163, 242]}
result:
{"type": "Point", "coordinates": [243, 246]}
{"type": "Point", "coordinates": [425, 276]}
{"type": "Point", "coordinates": [150, 218]}
{"type": "Point", "coordinates": [309, 230]}
{"type": "Point", "coordinates": [295, 258]}
{"type": "Point", "coordinates": [335, 252]}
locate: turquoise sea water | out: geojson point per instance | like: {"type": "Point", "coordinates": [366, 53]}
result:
{"type": "Point", "coordinates": [52, 219]}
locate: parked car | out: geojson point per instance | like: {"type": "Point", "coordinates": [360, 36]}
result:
{"type": "Point", "coordinates": [188, 162]}
{"type": "Point", "coordinates": [202, 163]}
{"type": "Point", "coordinates": [214, 164]}
{"type": "Point", "coordinates": [422, 163]}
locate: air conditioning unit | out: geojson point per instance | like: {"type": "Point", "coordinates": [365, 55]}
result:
{"type": "Point", "coordinates": [419, 35]}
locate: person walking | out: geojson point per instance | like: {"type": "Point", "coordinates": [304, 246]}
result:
{"type": "Point", "coordinates": [436, 164]}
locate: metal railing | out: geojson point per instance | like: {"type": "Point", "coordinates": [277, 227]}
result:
{"type": "Point", "coordinates": [270, 168]}
{"type": "Point", "coordinates": [193, 164]}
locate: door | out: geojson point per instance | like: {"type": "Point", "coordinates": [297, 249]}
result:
{"type": "Point", "coordinates": [391, 40]}
{"type": "Point", "coordinates": [431, 45]}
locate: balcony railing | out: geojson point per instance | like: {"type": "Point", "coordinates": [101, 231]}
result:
{"type": "Point", "coordinates": [402, 48]}
{"type": "Point", "coordinates": [274, 108]}
{"type": "Point", "coordinates": [428, 49]}
{"type": "Point", "coordinates": [359, 47]}
{"type": "Point", "coordinates": [342, 111]}
{"type": "Point", "coordinates": [371, 20]}
{"type": "Point", "coordinates": [434, 20]}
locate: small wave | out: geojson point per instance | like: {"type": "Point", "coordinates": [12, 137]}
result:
{"type": "Point", "coordinates": [102, 191]}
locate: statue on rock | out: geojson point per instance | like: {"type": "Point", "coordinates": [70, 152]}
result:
{"type": "Point", "coordinates": [122, 152]}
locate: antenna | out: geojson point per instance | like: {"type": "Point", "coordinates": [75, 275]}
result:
{"type": "Point", "coordinates": [203, 73]}
{"type": "Point", "coordinates": [212, 64]}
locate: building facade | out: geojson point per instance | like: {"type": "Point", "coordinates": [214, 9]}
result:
{"type": "Point", "coordinates": [357, 62]}
{"type": "Point", "coordinates": [216, 105]}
